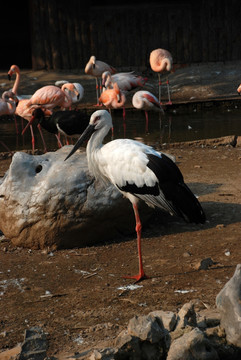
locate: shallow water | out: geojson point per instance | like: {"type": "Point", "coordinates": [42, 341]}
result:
{"type": "Point", "coordinates": [169, 128]}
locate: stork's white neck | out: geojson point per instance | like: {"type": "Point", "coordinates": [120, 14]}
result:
{"type": "Point", "coordinates": [94, 154]}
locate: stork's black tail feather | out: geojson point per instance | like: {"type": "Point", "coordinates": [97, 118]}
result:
{"type": "Point", "coordinates": [181, 199]}
{"type": "Point", "coordinates": [184, 202]}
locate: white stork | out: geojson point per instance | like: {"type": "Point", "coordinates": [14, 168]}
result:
{"type": "Point", "coordinates": [139, 172]}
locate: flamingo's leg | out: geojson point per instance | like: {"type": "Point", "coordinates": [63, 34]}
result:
{"type": "Point", "coordinates": [147, 121]}
{"type": "Point", "coordinates": [42, 137]}
{"type": "Point", "coordinates": [33, 140]}
{"type": "Point", "coordinates": [168, 92]}
{"type": "Point", "coordinates": [159, 87]}
{"type": "Point", "coordinates": [58, 139]}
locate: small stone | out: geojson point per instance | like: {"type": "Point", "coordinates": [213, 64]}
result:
{"type": "Point", "coordinates": [168, 318]}
{"type": "Point", "coordinates": [34, 345]}
{"type": "Point", "coordinates": [147, 328]}
{"type": "Point", "coordinates": [186, 316]}
{"type": "Point", "coordinates": [220, 226]}
{"type": "Point", "coordinates": [208, 318]}
{"type": "Point", "coordinates": [204, 264]}
{"type": "Point", "coordinates": [10, 354]}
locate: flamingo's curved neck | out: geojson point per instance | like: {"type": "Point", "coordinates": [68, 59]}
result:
{"type": "Point", "coordinates": [11, 106]}
{"type": "Point", "coordinates": [166, 65]}
{"type": "Point", "coordinates": [67, 100]}
{"type": "Point", "coordinates": [16, 83]}
{"type": "Point", "coordinates": [119, 103]}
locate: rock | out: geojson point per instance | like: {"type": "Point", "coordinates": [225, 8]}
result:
{"type": "Point", "coordinates": [228, 302]}
{"type": "Point", "coordinates": [148, 328]}
{"type": "Point", "coordinates": [186, 316]}
{"type": "Point", "coordinates": [132, 347]}
{"type": "Point", "coordinates": [192, 346]}
{"type": "Point", "coordinates": [48, 202]}
{"type": "Point", "coordinates": [105, 354]}
{"type": "Point", "coordinates": [11, 354]}
{"type": "Point", "coordinates": [145, 338]}
{"type": "Point", "coordinates": [128, 346]}
{"type": "Point", "coordinates": [168, 318]}
{"type": "Point", "coordinates": [208, 318]}
{"type": "Point", "coordinates": [204, 264]}
{"type": "Point", "coordinates": [34, 345]}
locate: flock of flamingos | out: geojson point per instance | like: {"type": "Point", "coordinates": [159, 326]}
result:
{"type": "Point", "coordinates": [111, 90]}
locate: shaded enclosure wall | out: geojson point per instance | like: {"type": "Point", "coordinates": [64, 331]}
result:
{"type": "Point", "coordinates": [64, 33]}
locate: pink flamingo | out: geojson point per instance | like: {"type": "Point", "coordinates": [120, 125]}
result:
{"type": "Point", "coordinates": [8, 103]}
{"type": "Point", "coordinates": [126, 81]}
{"type": "Point", "coordinates": [161, 61]}
{"type": "Point", "coordinates": [114, 98]}
{"type": "Point", "coordinates": [25, 112]}
{"type": "Point", "coordinates": [76, 96]}
{"type": "Point", "coordinates": [48, 97]}
{"type": "Point", "coordinates": [7, 107]}
{"type": "Point", "coordinates": [146, 101]}
{"type": "Point", "coordinates": [14, 69]}
{"type": "Point", "coordinates": [51, 96]}
{"type": "Point", "coordinates": [96, 68]}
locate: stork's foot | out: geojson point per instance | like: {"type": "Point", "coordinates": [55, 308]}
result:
{"type": "Point", "coordinates": [141, 276]}
{"type": "Point", "coordinates": [169, 103]}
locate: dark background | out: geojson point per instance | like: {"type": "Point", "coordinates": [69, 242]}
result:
{"type": "Point", "coordinates": [59, 34]}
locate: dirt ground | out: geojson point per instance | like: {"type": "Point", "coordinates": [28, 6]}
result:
{"type": "Point", "coordinates": [78, 296]}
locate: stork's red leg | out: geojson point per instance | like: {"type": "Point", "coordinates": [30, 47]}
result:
{"type": "Point", "coordinates": [141, 275]}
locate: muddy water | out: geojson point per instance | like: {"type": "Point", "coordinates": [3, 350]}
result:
{"type": "Point", "coordinates": [169, 128]}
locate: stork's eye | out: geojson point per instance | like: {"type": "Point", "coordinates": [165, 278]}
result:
{"type": "Point", "coordinates": [96, 119]}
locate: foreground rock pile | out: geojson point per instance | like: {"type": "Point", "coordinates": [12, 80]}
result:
{"type": "Point", "coordinates": [186, 335]}
{"type": "Point", "coordinates": [193, 333]}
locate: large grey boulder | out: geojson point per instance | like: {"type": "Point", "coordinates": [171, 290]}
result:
{"type": "Point", "coordinates": [228, 302]}
{"type": "Point", "coordinates": [48, 202]}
